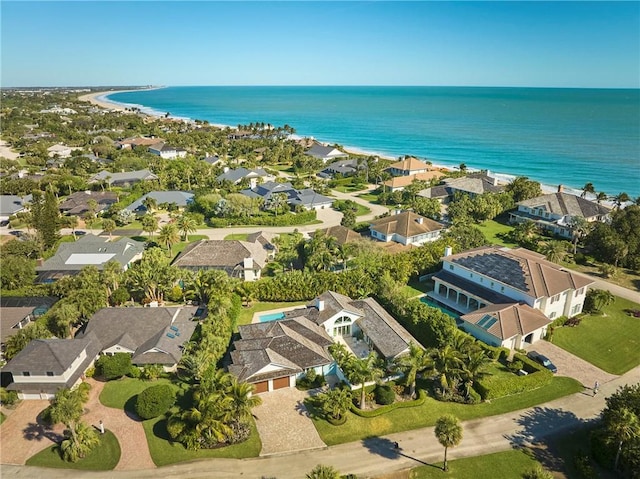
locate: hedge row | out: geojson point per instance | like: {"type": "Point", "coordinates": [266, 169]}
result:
{"type": "Point", "coordinates": [287, 219]}
{"type": "Point", "coordinates": [494, 352]}
{"type": "Point", "coordinates": [494, 387]}
{"type": "Point", "coordinates": [529, 365]}
{"type": "Point", "coordinates": [422, 397]}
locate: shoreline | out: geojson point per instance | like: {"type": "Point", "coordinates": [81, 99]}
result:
{"type": "Point", "coordinates": [99, 99]}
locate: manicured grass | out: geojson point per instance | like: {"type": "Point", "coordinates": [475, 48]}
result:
{"type": "Point", "coordinates": [103, 457]}
{"type": "Point", "coordinates": [610, 341]}
{"type": "Point", "coordinates": [246, 315]}
{"type": "Point", "coordinates": [237, 236]}
{"type": "Point", "coordinates": [362, 210]}
{"type": "Point", "coordinates": [418, 288]}
{"type": "Point", "coordinates": [493, 231]}
{"type": "Point", "coordinates": [512, 464]}
{"type": "Point", "coordinates": [164, 452]}
{"type": "Point", "coordinates": [370, 197]}
{"type": "Point", "coordinates": [404, 419]}
{"type": "Point", "coordinates": [116, 393]}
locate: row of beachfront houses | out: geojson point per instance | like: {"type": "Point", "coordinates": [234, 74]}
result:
{"type": "Point", "coordinates": [504, 297]}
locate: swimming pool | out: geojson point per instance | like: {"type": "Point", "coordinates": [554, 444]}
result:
{"type": "Point", "coordinates": [433, 304]}
{"type": "Point", "coordinates": [270, 317]}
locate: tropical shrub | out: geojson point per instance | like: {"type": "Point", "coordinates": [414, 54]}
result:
{"type": "Point", "coordinates": [152, 371]}
{"type": "Point", "coordinates": [8, 398]}
{"type": "Point", "coordinates": [114, 367]}
{"type": "Point", "coordinates": [384, 394]}
{"type": "Point", "coordinates": [422, 397]}
{"type": "Point", "coordinates": [493, 387]}
{"type": "Point", "coordinates": [154, 401]}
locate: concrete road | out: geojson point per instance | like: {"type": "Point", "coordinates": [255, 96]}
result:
{"type": "Point", "coordinates": [376, 456]}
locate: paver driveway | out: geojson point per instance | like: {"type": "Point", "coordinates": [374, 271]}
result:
{"type": "Point", "coordinates": [22, 435]}
{"type": "Point", "coordinates": [571, 365]}
{"type": "Point", "coordinates": [284, 423]}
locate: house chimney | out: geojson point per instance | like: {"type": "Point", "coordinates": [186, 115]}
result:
{"type": "Point", "coordinates": [560, 188]}
{"type": "Point", "coordinates": [320, 304]}
{"type": "Point", "coordinates": [448, 251]}
{"type": "Point", "coordinates": [420, 220]}
{"type": "Point", "coordinates": [225, 169]}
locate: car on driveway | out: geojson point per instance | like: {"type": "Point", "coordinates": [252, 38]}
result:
{"type": "Point", "coordinates": [545, 361]}
{"type": "Point", "coordinates": [80, 233]}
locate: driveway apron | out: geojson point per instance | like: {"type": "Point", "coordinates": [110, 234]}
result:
{"type": "Point", "coordinates": [284, 424]}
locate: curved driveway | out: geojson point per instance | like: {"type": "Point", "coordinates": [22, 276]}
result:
{"type": "Point", "coordinates": [376, 456]}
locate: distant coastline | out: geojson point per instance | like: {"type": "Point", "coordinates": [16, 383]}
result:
{"type": "Point", "coordinates": [366, 142]}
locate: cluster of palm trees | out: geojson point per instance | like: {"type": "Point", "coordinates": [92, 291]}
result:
{"type": "Point", "coordinates": [67, 407]}
{"type": "Point", "coordinates": [220, 413]}
{"type": "Point", "coordinates": [457, 366]}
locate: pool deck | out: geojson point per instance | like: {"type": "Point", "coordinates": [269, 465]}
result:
{"type": "Point", "coordinates": [256, 316]}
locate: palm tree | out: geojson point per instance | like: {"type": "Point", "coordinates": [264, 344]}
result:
{"type": "Point", "coordinates": [554, 251]}
{"type": "Point", "coordinates": [66, 408]}
{"type": "Point", "coordinates": [79, 442]}
{"type": "Point", "coordinates": [169, 236]}
{"type": "Point", "coordinates": [623, 425]}
{"type": "Point", "coordinates": [364, 370]}
{"type": "Point", "coordinates": [323, 472]}
{"type": "Point", "coordinates": [448, 431]}
{"type": "Point", "coordinates": [621, 198]}
{"type": "Point", "coordinates": [447, 362]}
{"type": "Point", "coordinates": [603, 298]}
{"type": "Point", "coordinates": [186, 224]}
{"type": "Point", "coordinates": [472, 369]}
{"type": "Point", "coordinates": [109, 226]}
{"type": "Point", "coordinates": [588, 188]}
{"type": "Point", "coordinates": [241, 399]}
{"type": "Point", "coordinates": [336, 402]}
{"type": "Point", "coordinates": [150, 204]}
{"type": "Point", "coordinates": [600, 197]}
{"type": "Point", "coordinates": [149, 224]}
{"type": "Point", "coordinates": [416, 361]}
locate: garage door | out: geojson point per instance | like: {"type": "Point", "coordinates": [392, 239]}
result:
{"type": "Point", "coordinates": [281, 383]}
{"type": "Point", "coordinates": [261, 387]}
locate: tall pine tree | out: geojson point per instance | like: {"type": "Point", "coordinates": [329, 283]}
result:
{"type": "Point", "coordinates": [46, 218]}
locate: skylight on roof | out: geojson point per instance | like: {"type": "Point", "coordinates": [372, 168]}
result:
{"type": "Point", "coordinates": [489, 323]}
{"type": "Point", "coordinates": [485, 319]}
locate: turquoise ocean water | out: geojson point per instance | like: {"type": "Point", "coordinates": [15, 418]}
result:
{"type": "Point", "coordinates": [568, 136]}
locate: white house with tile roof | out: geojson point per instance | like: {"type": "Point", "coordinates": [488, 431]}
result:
{"type": "Point", "coordinates": [325, 153]}
{"type": "Point", "coordinates": [407, 167]}
{"type": "Point", "coordinates": [481, 279]}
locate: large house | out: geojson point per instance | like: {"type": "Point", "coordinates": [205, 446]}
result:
{"type": "Point", "coordinates": [254, 176]}
{"type": "Point", "coordinates": [179, 198]}
{"type": "Point", "coordinates": [239, 259]}
{"type": "Point", "coordinates": [407, 228]}
{"type": "Point", "coordinates": [78, 203]}
{"type": "Point", "coordinates": [46, 365]}
{"type": "Point", "coordinates": [305, 198]}
{"type": "Point", "coordinates": [343, 167]}
{"type": "Point", "coordinates": [149, 335]}
{"type": "Point", "coordinates": [272, 355]}
{"type": "Point", "coordinates": [129, 143]}
{"type": "Point", "coordinates": [166, 151]}
{"type": "Point", "coordinates": [124, 179]}
{"type": "Point", "coordinates": [88, 250]}
{"type": "Point", "coordinates": [325, 153]}
{"type": "Point", "coordinates": [512, 288]}
{"type": "Point", "coordinates": [407, 167]}
{"type": "Point", "coordinates": [473, 184]}
{"type": "Point", "coordinates": [12, 204]}
{"type": "Point", "coordinates": [399, 183]}
{"type": "Point", "coordinates": [17, 313]}
{"type": "Point", "coordinates": [556, 212]}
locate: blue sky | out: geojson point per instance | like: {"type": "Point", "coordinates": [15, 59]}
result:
{"type": "Point", "coordinates": [554, 44]}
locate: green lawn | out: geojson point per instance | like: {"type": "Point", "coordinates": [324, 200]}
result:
{"type": "Point", "coordinates": [507, 464]}
{"type": "Point", "coordinates": [246, 315]}
{"type": "Point", "coordinates": [370, 197]}
{"type": "Point", "coordinates": [610, 341]}
{"type": "Point", "coordinates": [357, 428]}
{"type": "Point", "coordinates": [417, 288]}
{"type": "Point", "coordinates": [164, 452]}
{"type": "Point", "coordinates": [116, 393]}
{"type": "Point", "coordinates": [493, 231]}
{"type": "Point", "coordinates": [103, 457]}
